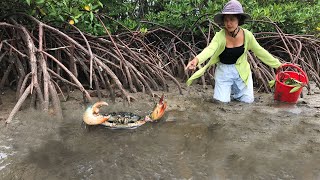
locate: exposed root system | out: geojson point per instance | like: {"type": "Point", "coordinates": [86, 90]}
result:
{"type": "Point", "coordinates": [44, 63]}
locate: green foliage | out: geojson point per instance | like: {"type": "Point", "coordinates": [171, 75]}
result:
{"type": "Point", "coordinates": [272, 83]}
{"type": "Point", "coordinates": [292, 16]}
{"type": "Point", "coordinates": [298, 17]}
{"type": "Point", "coordinates": [177, 14]}
{"type": "Point", "coordinates": [296, 85]}
{"type": "Point", "coordinates": [78, 12]}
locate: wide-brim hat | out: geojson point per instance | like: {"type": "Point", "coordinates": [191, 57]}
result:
{"type": "Point", "coordinates": [232, 7]}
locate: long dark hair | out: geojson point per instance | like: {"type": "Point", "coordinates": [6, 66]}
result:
{"type": "Point", "coordinates": [241, 19]}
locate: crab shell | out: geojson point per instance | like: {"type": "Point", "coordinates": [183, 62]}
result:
{"type": "Point", "coordinates": [123, 120]}
{"type": "Point", "coordinates": [92, 117]}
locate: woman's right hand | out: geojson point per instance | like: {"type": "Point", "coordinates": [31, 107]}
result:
{"type": "Point", "coordinates": [192, 64]}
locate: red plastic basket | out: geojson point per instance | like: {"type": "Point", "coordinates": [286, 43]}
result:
{"type": "Point", "coordinates": [282, 90]}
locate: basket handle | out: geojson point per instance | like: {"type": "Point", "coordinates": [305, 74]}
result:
{"type": "Point", "coordinates": [296, 67]}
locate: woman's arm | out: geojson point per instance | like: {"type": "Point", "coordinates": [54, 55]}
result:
{"type": "Point", "coordinates": [208, 51]}
{"type": "Point", "coordinates": [263, 54]}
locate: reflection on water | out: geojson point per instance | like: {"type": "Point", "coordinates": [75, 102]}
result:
{"type": "Point", "coordinates": [213, 142]}
{"type": "Point", "coordinates": [157, 150]}
{"type": "Point", "coordinates": [287, 107]}
{"type": "Point", "coordinates": [3, 156]}
{"type": "Point", "coordinates": [5, 151]}
{"type": "Point", "coordinates": [162, 150]}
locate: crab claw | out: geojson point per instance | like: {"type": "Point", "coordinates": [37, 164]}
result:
{"type": "Point", "coordinates": [159, 110]}
{"type": "Point", "coordinates": [92, 117]}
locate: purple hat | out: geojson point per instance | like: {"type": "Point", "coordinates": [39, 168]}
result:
{"type": "Point", "coordinates": [232, 7]}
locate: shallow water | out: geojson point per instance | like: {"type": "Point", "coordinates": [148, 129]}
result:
{"type": "Point", "coordinates": [199, 140]}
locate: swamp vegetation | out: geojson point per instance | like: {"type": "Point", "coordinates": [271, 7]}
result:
{"type": "Point", "coordinates": [43, 59]}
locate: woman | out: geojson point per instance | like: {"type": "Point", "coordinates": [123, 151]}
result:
{"type": "Point", "coordinates": [228, 48]}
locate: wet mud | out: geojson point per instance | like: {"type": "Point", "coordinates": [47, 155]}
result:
{"type": "Point", "coordinates": [197, 139]}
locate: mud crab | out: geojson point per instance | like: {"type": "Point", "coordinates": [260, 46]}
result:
{"type": "Point", "coordinates": [121, 120]}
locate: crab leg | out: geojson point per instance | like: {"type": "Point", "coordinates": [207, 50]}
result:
{"type": "Point", "coordinates": [92, 117]}
{"type": "Point", "coordinates": [158, 111]}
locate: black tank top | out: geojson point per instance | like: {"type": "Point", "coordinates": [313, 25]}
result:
{"type": "Point", "coordinates": [231, 55]}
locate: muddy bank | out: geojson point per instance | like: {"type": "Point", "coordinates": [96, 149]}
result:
{"type": "Point", "coordinates": [197, 139]}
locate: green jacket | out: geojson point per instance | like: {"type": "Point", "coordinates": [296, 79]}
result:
{"type": "Point", "coordinates": [217, 46]}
